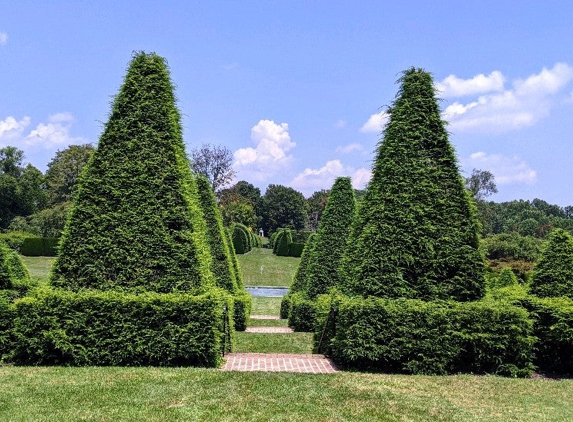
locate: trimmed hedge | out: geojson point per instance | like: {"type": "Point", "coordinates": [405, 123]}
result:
{"type": "Point", "coordinates": [295, 249]}
{"type": "Point", "coordinates": [286, 306]}
{"type": "Point", "coordinates": [6, 324]}
{"type": "Point", "coordinates": [302, 316]}
{"type": "Point", "coordinates": [240, 239]}
{"type": "Point", "coordinates": [40, 246]}
{"type": "Point", "coordinates": [284, 241]}
{"type": "Point", "coordinates": [416, 337]}
{"type": "Point", "coordinates": [243, 303]}
{"type": "Point", "coordinates": [14, 240]}
{"type": "Point", "coordinates": [55, 327]}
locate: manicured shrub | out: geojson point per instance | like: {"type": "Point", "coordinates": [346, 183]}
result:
{"type": "Point", "coordinates": [235, 261]}
{"type": "Point", "coordinates": [275, 239]}
{"type": "Point", "coordinates": [331, 238]}
{"type": "Point", "coordinates": [40, 246]}
{"type": "Point", "coordinates": [14, 240]}
{"type": "Point", "coordinates": [286, 306]}
{"type": "Point", "coordinates": [506, 279]}
{"type": "Point", "coordinates": [113, 328]}
{"type": "Point", "coordinates": [284, 241]}
{"type": "Point", "coordinates": [416, 337]}
{"type": "Point", "coordinates": [240, 239]}
{"type": "Point", "coordinates": [416, 231]}
{"type": "Point", "coordinates": [553, 275]}
{"type": "Point", "coordinates": [242, 306]}
{"type": "Point", "coordinates": [13, 273]}
{"type": "Point", "coordinates": [553, 327]}
{"type": "Point", "coordinates": [295, 249]}
{"type": "Point", "coordinates": [6, 324]}
{"type": "Point", "coordinates": [136, 224]}
{"type": "Point", "coordinates": [302, 316]}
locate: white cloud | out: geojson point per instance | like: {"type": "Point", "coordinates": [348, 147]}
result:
{"type": "Point", "coordinates": [10, 128]}
{"type": "Point", "coordinates": [3, 38]}
{"type": "Point", "coordinates": [311, 180]}
{"type": "Point", "coordinates": [270, 154]}
{"type": "Point", "coordinates": [528, 101]}
{"type": "Point", "coordinates": [340, 124]}
{"type": "Point", "coordinates": [506, 170]}
{"type": "Point", "coordinates": [452, 86]}
{"type": "Point", "coordinates": [54, 133]}
{"type": "Point", "coordinates": [349, 148]}
{"type": "Point", "coordinates": [375, 122]}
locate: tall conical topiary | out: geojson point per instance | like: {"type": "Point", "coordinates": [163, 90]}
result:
{"type": "Point", "coordinates": [331, 238]}
{"type": "Point", "coordinates": [416, 233]}
{"type": "Point", "coordinates": [136, 224]}
{"type": "Point", "coordinates": [553, 274]}
{"type": "Point", "coordinates": [300, 275]}
{"type": "Point", "coordinates": [221, 264]}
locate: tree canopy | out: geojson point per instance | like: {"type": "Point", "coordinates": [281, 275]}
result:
{"type": "Point", "coordinates": [283, 207]}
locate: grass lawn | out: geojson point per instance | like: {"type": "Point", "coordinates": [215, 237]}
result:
{"type": "Point", "coordinates": [266, 305]}
{"type": "Point", "coordinates": [267, 322]}
{"type": "Point", "coordinates": [38, 266]}
{"type": "Point", "coordinates": [262, 268]}
{"type": "Point", "coordinates": [185, 394]}
{"type": "Point", "coordinates": [273, 343]}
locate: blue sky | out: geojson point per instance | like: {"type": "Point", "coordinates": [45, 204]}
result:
{"type": "Point", "coordinates": [297, 89]}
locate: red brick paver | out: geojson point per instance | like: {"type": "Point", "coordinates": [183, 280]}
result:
{"type": "Point", "coordinates": [270, 362]}
{"type": "Point", "coordinates": [265, 317]}
{"type": "Point", "coordinates": [276, 330]}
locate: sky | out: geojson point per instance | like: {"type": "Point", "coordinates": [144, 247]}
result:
{"type": "Point", "coordinates": [297, 90]}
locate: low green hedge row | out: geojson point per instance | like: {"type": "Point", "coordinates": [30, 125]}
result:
{"type": "Point", "coordinates": [295, 249]}
{"type": "Point", "coordinates": [40, 246]}
{"type": "Point", "coordinates": [416, 337]}
{"type": "Point", "coordinates": [56, 327]}
{"type": "Point", "coordinates": [302, 316]}
{"type": "Point", "coordinates": [243, 303]}
{"type": "Point", "coordinates": [286, 306]}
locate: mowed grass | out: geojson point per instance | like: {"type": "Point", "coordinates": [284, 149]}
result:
{"type": "Point", "coordinates": [273, 343]}
{"type": "Point", "coordinates": [266, 305]}
{"type": "Point", "coordinates": [39, 267]}
{"type": "Point", "coordinates": [185, 394]}
{"type": "Point", "coordinates": [262, 268]}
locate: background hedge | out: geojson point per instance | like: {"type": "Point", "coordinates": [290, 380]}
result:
{"type": "Point", "coordinates": [55, 327]}
{"type": "Point", "coordinates": [40, 246]}
{"type": "Point", "coordinates": [553, 274]}
{"type": "Point", "coordinates": [283, 241]}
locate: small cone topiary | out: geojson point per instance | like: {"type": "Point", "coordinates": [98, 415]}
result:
{"type": "Point", "coordinates": [136, 224]}
{"type": "Point", "coordinates": [553, 274]}
{"type": "Point", "coordinates": [506, 278]}
{"type": "Point", "coordinates": [416, 232]}
{"type": "Point", "coordinates": [331, 238]}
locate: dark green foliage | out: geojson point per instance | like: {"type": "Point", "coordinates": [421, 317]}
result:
{"type": "Point", "coordinates": [299, 279]}
{"type": "Point", "coordinates": [13, 273]}
{"type": "Point", "coordinates": [235, 261]}
{"type": "Point", "coordinates": [512, 246]}
{"type": "Point", "coordinates": [416, 337]}
{"type": "Point", "coordinates": [240, 239]}
{"type": "Point", "coordinates": [416, 233]}
{"type": "Point", "coordinates": [136, 224]}
{"type": "Point", "coordinates": [331, 238]}
{"type": "Point", "coordinates": [283, 207]}
{"type": "Point", "coordinates": [221, 263]}
{"type": "Point", "coordinates": [553, 326]}
{"type": "Point", "coordinates": [275, 239]}
{"type": "Point", "coordinates": [506, 279]}
{"type": "Point", "coordinates": [286, 306]}
{"type": "Point", "coordinates": [295, 249]}
{"type": "Point", "coordinates": [6, 324]}
{"type": "Point", "coordinates": [113, 328]}
{"type": "Point", "coordinates": [284, 241]}
{"type": "Point", "coordinates": [14, 240]}
{"type": "Point", "coordinates": [40, 246]}
{"type": "Point", "coordinates": [243, 304]}
{"type": "Point", "coordinates": [302, 316]}
{"type": "Point", "coordinates": [553, 275]}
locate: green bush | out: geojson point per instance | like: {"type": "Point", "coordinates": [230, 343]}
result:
{"type": "Point", "coordinates": [135, 224]}
{"type": "Point", "coordinates": [331, 239]}
{"type": "Point", "coordinates": [6, 324]}
{"type": "Point", "coordinates": [416, 337]}
{"type": "Point", "coordinates": [553, 275]}
{"type": "Point", "coordinates": [302, 315]}
{"type": "Point", "coordinates": [506, 278]}
{"type": "Point", "coordinates": [13, 273]}
{"type": "Point", "coordinates": [240, 239]}
{"type": "Point", "coordinates": [295, 249]}
{"type": "Point", "coordinates": [55, 327]}
{"type": "Point", "coordinates": [276, 238]}
{"type": "Point", "coordinates": [284, 241]}
{"type": "Point", "coordinates": [512, 246]}
{"type": "Point", "coordinates": [14, 240]}
{"type": "Point", "coordinates": [243, 304]}
{"type": "Point", "coordinates": [416, 231]}
{"type": "Point", "coordinates": [40, 246]}
{"type": "Point", "coordinates": [235, 261]}
{"type": "Point", "coordinates": [553, 327]}
{"type": "Point", "coordinates": [286, 306]}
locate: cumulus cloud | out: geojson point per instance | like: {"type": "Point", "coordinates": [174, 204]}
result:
{"type": "Point", "coordinates": [452, 86]}
{"type": "Point", "coordinates": [3, 38]}
{"type": "Point", "coordinates": [10, 128]}
{"type": "Point", "coordinates": [349, 148]}
{"type": "Point", "coordinates": [528, 101]}
{"type": "Point", "coordinates": [54, 133]}
{"type": "Point", "coordinates": [375, 122]}
{"type": "Point", "coordinates": [270, 153]}
{"type": "Point", "coordinates": [311, 180]}
{"type": "Point", "coordinates": [506, 170]}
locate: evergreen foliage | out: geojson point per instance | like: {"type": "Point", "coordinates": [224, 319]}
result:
{"type": "Point", "coordinates": [221, 263]}
{"type": "Point", "coordinates": [553, 275]}
{"type": "Point", "coordinates": [275, 239]}
{"type": "Point", "coordinates": [240, 238]}
{"type": "Point", "coordinates": [13, 272]}
{"type": "Point", "coordinates": [416, 233]}
{"type": "Point", "coordinates": [136, 224]}
{"type": "Point", "coordinates": [234, 260]}
{"type": "Point", "coordinates": [40, 246]}
{"type": "Point", "coordinates": [299, 279]}
{"type": "Point", "coordinates": [283, 243]}
{"type": "Point", "coordinates": [506, 279]}
{"type": "Point", "coordinates": [331, 238]}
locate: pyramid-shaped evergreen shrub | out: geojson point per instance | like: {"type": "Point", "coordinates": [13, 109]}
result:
{"type": "Point", "coordinates": [332, 235]}
{"type": "Point", "coordinates": [416, 233]}
{"type": "Point", "coordinates": [136, 224]}
{"type": "Point", "coordinates": [553, 274]}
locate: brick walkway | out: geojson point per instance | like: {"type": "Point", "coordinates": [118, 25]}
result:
{"type": "Point", "coordinates": [276, 330]}
{"type": "Point", "coordinates": [270, 362]}
{"type": "Point", "coordinates": [265, 317]}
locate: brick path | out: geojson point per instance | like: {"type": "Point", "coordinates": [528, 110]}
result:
{"type": "Point", "coordinates": [281, 330]}
{"type": "Point", "coordinates": [265, 317]}
{"type": "Point", "coordinates": [271, 362]}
